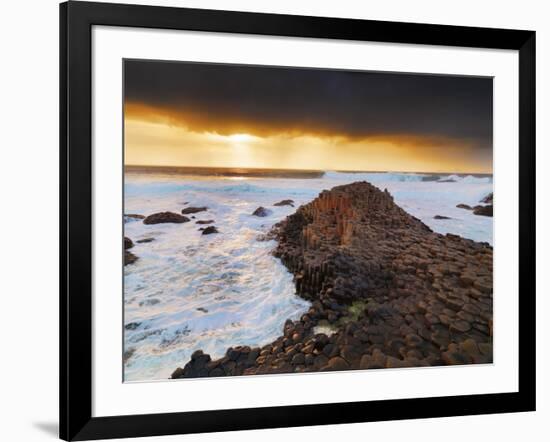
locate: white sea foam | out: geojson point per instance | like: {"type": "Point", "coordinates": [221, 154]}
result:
{"type": "Point", "coordinates": [190, 291]}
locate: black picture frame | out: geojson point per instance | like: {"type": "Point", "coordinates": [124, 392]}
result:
{"type": "Point", "coordinates": [76, 21]}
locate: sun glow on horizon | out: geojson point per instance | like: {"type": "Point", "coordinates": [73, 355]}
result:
{"type": "Point", "coordinates": [241, 138]}
{"type": "Point", "coordinates": [157, 143]}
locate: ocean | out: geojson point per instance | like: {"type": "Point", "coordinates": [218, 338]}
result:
{"type": "Point", "coordinates": [189, 291]}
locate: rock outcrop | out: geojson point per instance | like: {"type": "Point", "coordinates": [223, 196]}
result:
{"type": "Point", "coordinates": [129, 258]}
{"type": "Point", "coordinates": [484, 210]}
{"type": "Point", "coordinates": [261, 212]}
{"type": "Point", "coordinates": [128, 243]}
{"type": "Point", "coordinates": [285, 203]}
{"type": "Point", "coordinates": [165, 217]}
{"type": "Point", "coordinates": [488, 199]}
{"type": "Point", "coordinates": [189, 210]}
{"type": "Point", "coordinates": [394, 293]}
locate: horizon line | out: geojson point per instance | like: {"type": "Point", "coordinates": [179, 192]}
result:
{"type": "Point", "coordinates": [305, 170]}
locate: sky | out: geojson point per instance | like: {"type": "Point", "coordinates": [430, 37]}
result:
{"type": "Point", "coordinates": [220, 115]}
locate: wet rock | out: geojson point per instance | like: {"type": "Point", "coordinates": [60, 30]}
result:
{"type": "Point", "coordinates": [392, 362]}
{"type": "Point", "coordinates": [470, 347]}
{"type": "Point", "coordinates": [129, 258]}
{"type": "Point", "coordinates": [132, 217]}
{"type": "Point", "coordinates": [455, 358]}
{"type": "Point", "coordinates": [320, 361]}
{"type": "Point", "coordinates": [165, 217]}
{"type": "Point", "coordinates": [488, 199]}
{"type": "Point", "coordinates": [413, 340]}
{"type": "Point", "coordinates": [378, 358]}
{"type": "Point", "coordinates": [467, 279]}
{"type": "Point", "coordinates": [441, 217]}
{"type": "Point", "coordinates": [216, 372]}
{"type": "Point", "coordinates": [198, 355]}
{"type": "Point", "coordinates": [261, 212]}
{"type": "Point", "coordinates": [431, 319]}
{"type": "Point", "coordinates": [350, 353]}
{"type": "Point", "coordinates": [298, 359]}
{"type": "Point", "coordinates": [330, 350]}
{"type": "Point", "coordinates": [209, 230]}
{"type": "Point", "coordinates": [177, 373]}
{"type": "Point", "coordinates": [253, 354]}
{"type": "Point", "coordinates": [336, 364]}
{"type": "Point", "coordinates": [464, 206]}
{"type": "Point", "coordinates": [205, 221]}
{"type": "Point", "coordinates": [285, 203]}
{"type": "Point", "coordinates": [128, 354]}
{"type": "Point", "coordinates": [309, 359]}
{"type": "Point", "coordinates": [485, 348]}
{"type": "Point", "coordinates": [190, 210]}
{"type": "Point", "coordinates": [128, 244]}
{"type": "Point", "coordinates": [233, 353]}
{"type": "Point", "coordinates": [484, 210]}
{"type": "Point", "coordinates": [460, 326]}
{"type": "Point", "coordinates": [145, 240]}
{"type": "Point", "coordinates": [366, 362]}
{"type": "Point", "coordinates": [132, 325]}
{"type": "Point", "coordinates": [472, 309]}
{"type": "Point", "coordinates": [152, 301]}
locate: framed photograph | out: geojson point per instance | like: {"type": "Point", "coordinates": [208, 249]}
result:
{"type": "Point", "coordinates": [273, 220]}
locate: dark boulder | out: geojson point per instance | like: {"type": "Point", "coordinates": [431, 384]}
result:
{"type": "Point", "coordinates": [189, 210]}
{"type": "Point", "coordinates": [484, 210]}
{"type": "Point", "coordinates": [210, 229]}
{"type": "Point", "coordinates": [261, 211]}
{"type": "Point", "coordinates": [464, 206]}
{"type": "Point", "coordinates": [285, 203]}
{"type": "Point", "coordinates": [128, 244]}
{"type": "Point", "coordinates": [129, 258]}
{"type": "Point", "coordinates": [336, 364]}
{"type": "Point", "coordinates": [165, 217]}
{"type": "Point", "coordinates": [441, 217]}
{"type": "Point", "coordinates": [205, 221]}
{"type": "Point", "coordinates": [128, 354]}
{"type": "Point", "coordinates": [132, 325]}
{"type": "Point", "coordinates": [488, 199]}
{"type": "Point", "coordinates": [145, 240]}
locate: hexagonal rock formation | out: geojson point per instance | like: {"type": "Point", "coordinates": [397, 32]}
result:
{"type": "Point", "coordinates": [393, 293]}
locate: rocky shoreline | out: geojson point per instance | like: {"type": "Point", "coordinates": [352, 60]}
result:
{"type": "Point", "coordinates": [386, 292]}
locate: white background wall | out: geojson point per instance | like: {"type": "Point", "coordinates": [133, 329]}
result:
{"type": "Point", "coordinates": [29, 218]}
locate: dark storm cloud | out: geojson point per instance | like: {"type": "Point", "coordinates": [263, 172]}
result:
{"type": "Point", "coordinates": [215, 98]}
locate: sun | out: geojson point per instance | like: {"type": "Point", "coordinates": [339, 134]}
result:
{"type": "Point", "coordinates": [241, 138]}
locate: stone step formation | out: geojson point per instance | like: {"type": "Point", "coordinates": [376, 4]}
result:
{"type": "Point", "coordinates": [385, 290]}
